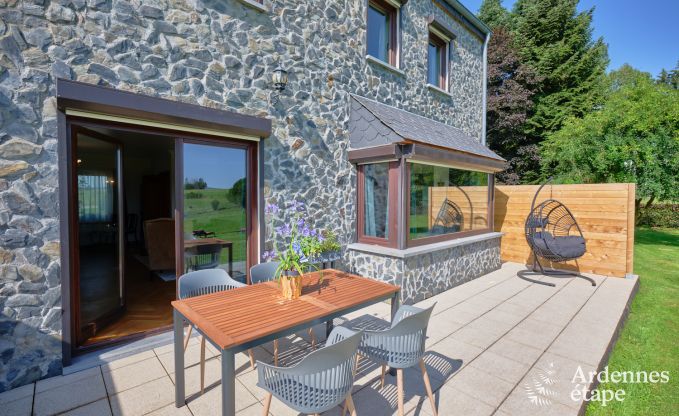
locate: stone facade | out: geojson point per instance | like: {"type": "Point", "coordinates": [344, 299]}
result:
{"type": "Point", "coordinates": [216, 53]}
{"type": "Point", "coordinates": [425, 275]}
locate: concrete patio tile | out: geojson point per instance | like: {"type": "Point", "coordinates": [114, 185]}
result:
{"type": "Point", "coordinates": [213, 378]}
{"type": "Point", "coordinates": [17, 402]}
{"type": "Point", "coordinates": [70, 393]}
{"type": "Point", "coordinates": [169, 347]}
{"type": "Point", "coordinates": [254, 410]}
{"type": "Point", "coordinates": [491, 325]}
{"type": "Point", "coordinates": [515, 309]}
{"type": "Point", "coordinates": [457, 314]}
{"type": "Point", "coordinates": [191, 357]}
{"type": "Point", "coordinates": [516, 351]}
{"type": "Point", "coordinates": [210, 403]}
{"type": "Point", "coordinates": [143, 399]}
{"type": "Point", "coordinates": [452, 401]}
{"type": "Point", "coordinates": [583, 342]}
{"type": "Point", "coordinates": [561, 371]}
{"type": "Point", "coordinates": [501, 367]}
{"type": "Point", "coordinates": [478, 305]}
{"type": "Point", "coordinates": [554, 314]}
{"type": "Point", "coordinates": [534, 333]}
{"type": "Point", "coordinates": [480, 385]}
{"type": "Point", "coordinates": [132, 359]}
{"type": "Point", "coordinates": [522, 403]}
{"type": "Point", "coordinates": [99, 408]}
{"type": "Point", "coordinates": [453, 351]}
{"type": "Point", "coordinates": [61, 381]}
{"type": "Point", "coordinates": [124, 378]}
{"type": "Point", "coordinates": [374, 401]}
{"type": "Point", "coordinates": [439, 329]}
{"type": "Point", "coordinates": [171, 410]}
{"type": "Point", "coordinates": [504, 316]}
{"type": "Point", "coordinates": [475, 335]}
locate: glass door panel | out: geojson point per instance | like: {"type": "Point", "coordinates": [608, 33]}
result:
{"type": "Point", "coordinates": [214, 199]}
{"type": "Point", "coordinates": [100, 248]}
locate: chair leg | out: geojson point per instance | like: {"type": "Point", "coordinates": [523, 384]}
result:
{"type": "Point", "coordinates": [358, 362]}
{"type": "Point", "coordinates": [202, 365]}
{"type": "Point", "coordinates": [350, 405]}
{"type": "Point", "coordinates": [399, 384]}
{"type": "Point", "coordinates": [384, 373]}
{"type": "Point", "coordinates": [188, 337]}
{"type": "Point", "coordinates": [275, 352]}
{"type": "Point", "coordinates": [312, 337]}
{"type": "Point", "coordinates": [267, 404]}
{"type": "Point", "coordinates": [427, 385]}
{"type": "Point", "coordinates": [252, 358]}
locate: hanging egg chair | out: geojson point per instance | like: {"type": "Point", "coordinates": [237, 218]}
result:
{"type": "Point", "coordinates": [554, 235]}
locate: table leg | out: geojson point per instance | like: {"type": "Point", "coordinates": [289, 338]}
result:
{"type": "Point", "coordinates": [228, 383]}
{"type": "Point", "coordinates": [179, 393]}
{"type": "Point", "coordinates": [231, 260]}
{"type": "Point", "coordinates": [395, 304]}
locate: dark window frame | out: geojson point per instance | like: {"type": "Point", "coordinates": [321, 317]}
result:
{"type": "Point", "coordinates": [392, 239]}
{"type": "Point", "coordinates": [443, 52]}
{"type": "Point", "coordinates": [392, 12]}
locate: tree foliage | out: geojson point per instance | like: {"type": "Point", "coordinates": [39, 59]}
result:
{"type": "Point", "coordinates": [633, 137]}
{"type": "Point", "coordinates": [670, 78]}
{"type": "Point", "coordinates": [494, 15]}
{"type": "Point", "coordinates": [511, 86]}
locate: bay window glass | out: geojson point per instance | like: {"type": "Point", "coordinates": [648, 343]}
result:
{"type": "Point", "coordinates": [376, 200]}
{"type": "Point", "coordinates": [444, 200]}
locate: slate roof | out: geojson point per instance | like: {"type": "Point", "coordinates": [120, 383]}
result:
{"type": "Point", "coordinates": [373, 124]}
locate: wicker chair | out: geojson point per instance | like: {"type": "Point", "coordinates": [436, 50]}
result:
{"type": "Point", "coordinates": [321, 381]}
{"type": "Point", "coordinates": [552, 234]}
{"type": "Point", "coordinates": [400, 347]}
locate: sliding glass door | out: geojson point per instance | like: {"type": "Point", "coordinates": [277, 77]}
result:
{"type": "Point", "coordinates": [215, 197]}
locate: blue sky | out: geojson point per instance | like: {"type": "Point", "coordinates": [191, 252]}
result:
{"type": "Point", "coordinates": [220, 167]}
{"type": "Point", "coordinates": [644, 34]}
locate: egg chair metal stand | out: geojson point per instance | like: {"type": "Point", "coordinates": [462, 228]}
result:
{"type": "Point", "coordinates": [553, 234]}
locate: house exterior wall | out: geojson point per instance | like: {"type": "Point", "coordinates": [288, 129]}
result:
{"type": "Point", "coordinates": [213, 53]}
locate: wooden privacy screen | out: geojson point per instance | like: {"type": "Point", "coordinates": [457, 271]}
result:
{"type": "Point", "coordinates": [605, 213]}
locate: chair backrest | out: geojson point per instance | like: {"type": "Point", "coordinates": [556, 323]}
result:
{"type": "Point", "coordinates": [322, 379]}
{"type": "Point", "coordinates": [402, 345]}
{"type": "Point", "coordinates": [203, 282]}
{"type": "Point", "coordinates": [159, 238]}
{"type": "Point", "coordinates": [263, 272]}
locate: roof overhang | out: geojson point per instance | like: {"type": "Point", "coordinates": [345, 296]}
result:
{"type": "Point", "coordinates": [461, 13]}
{"type": "Point", "coordinates": [78, 98]}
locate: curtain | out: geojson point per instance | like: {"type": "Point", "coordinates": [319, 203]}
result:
{"type": "Point", "coordinates": [369, 206]}
{"type": "Point", "coordinates": [95, 198]}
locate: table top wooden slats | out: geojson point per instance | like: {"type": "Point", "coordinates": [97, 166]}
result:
{"type": "Point", "coordinates": [205, 241]}
{"type": "Point", "coordinates": [238, 316]}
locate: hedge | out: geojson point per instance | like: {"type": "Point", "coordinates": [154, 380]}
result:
{"type": "Point", "coordinates": [661, 215]}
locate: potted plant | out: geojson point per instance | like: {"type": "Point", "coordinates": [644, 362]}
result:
{"type": "Point", "coordinates": [329, 247]}
{"type": "Point", "coordinates": [294, 245]}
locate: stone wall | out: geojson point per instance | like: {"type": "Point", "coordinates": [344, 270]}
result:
{"type": "Point", "coordinates": [216, 53]}
{"type": "Point", "coordinates": [425, 275]}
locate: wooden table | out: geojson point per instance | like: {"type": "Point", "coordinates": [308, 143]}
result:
{"type": "Point", "coordinates": [208, 241]}
{"type": "Point", "coordinates": [239, 319]}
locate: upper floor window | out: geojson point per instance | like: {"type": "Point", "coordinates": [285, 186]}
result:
{"type": "Point", "coordinates": [383, 31]}
{"type": "Point", "coordinates": [437, 61]}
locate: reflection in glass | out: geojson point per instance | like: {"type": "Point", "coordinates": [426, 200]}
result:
{"type": "Point", "coordinates": [434, 64]}
{"type": "Point", "coordinates": [378, 33]}
{"type": "Point", "coordinates": [445, 200]}
{"type": "Point", "coordinates": [376, 200]}
{"type": "Point", "coordinates": [215, 220]}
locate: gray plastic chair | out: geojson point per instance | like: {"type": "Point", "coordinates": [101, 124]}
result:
{"type": "Point", "coordinates": [266, 272]}
{"type": "Point", "coordinates": [322, 380]}
{"type": "Point", "coordinates": [204, 282]}
{"type": "Point", "coordinates": [401, 346]}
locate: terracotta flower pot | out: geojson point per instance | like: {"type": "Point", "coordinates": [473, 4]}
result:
{"type": "Point", "coordinates": [291, 284]}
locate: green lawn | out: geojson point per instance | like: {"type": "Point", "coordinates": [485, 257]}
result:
{"type": "Point", "coordinates": [650, 338]}
{"type": "Point", "coordinates": [227, 221]}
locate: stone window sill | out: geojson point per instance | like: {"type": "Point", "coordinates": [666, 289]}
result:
{"type": "Point", "coordinates": [439, 90]}
{"type": "Point", "coordinates": [255, 5]}
{"type": "Point", "coordinates": [419, 250]}
{"type": "Point", "coordinates": [375, 61]}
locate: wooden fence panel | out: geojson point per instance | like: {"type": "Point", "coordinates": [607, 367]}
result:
{"type": "Point", "coordinates": [605, 213]}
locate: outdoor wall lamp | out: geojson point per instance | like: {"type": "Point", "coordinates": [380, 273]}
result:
{"type": "Point", "coordinates": [279, 78]}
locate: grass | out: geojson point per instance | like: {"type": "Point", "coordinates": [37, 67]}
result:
{"type": "Point", "coordinates": [227, 221]}
{"type": "Point", "coordinates": [650, 338]}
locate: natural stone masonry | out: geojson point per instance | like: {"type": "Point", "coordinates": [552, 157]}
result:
{"type": "Point", "coordinates": [425, 275]}
{"type": "Point", "coordinates": [216, 53]}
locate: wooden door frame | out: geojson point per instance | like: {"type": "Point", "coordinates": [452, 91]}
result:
{"type": "Point", "coordinates": [69, 125]}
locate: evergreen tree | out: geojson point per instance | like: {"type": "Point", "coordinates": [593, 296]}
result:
{"type": "Point", "coordinates": [670, 78]}
{"type": "Point", "coordinates": [494, 14]}
{"type": "Point", "coordinates": [511, 85]}
{"type": "Point", "coordinates": [556, 40]}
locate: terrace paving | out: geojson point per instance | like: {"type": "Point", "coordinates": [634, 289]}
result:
{"type": "Point", "coordinates": [496, 345]}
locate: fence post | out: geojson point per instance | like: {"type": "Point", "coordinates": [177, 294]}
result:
{"type": "Point", "coordinates": [631, 216]}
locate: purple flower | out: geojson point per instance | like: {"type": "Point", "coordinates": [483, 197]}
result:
{"type": "Point", "coordinates": [306, 232]}
{"type": "Point", "coordinates": [300, 223]}
{"type": "Point", "coordinates": [303, 259]}
{"type": "Point", "coordinates": [314, 233]}
{"type": "Point", "coordinates": [284, 230]}
{"type": "Point", "coordinates": [268, 255]}
{"type": "Point", "coordinates": [297, 248]}
{"type": "Point", "coordinates": [271, 209]}
{"type": "Point", "coordinates": [321, 238]}
{"type": "Point", "coordinates": [297, 206]}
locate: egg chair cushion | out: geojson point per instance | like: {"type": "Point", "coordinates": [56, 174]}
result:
{"type": "Point", "coordinates": [571, 246]}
